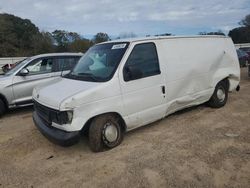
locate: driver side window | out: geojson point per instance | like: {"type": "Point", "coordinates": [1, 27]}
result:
{"type": "Point", "coordinates": [40, 66]}
{"type": "Point", "coordinates": [143, 61]}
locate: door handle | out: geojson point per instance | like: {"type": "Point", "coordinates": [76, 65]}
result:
{"type": "Point", "coordinates": [163, 89]}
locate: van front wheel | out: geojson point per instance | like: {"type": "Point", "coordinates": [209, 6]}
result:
{"type": "Point", "coordinates": [105, 132]}
{"type": "Point", "coordinates": [220, 95]}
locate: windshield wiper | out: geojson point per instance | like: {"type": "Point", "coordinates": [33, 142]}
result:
{"type": "Point", "coordinates": [89, 75]}
{"type": "Point", "coordinates": [80, 76]}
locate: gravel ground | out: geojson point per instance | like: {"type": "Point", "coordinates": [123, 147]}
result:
{"type": "Point", "coordinates": [198, 147]}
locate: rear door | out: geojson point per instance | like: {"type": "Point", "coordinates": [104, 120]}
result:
{"type": "Point", "coordinates": [143, 96]}
{"type": "Point", "coordinates": [65, 64]}
{"type": "Point", "coordinates": [41, 71]}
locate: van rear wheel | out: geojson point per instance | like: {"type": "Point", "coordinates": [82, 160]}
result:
{"type": "Point", "coordinates": [2, 107]}
{"type": "Point", "coordinates": [220, 95]}
{"type": "Point", "coordinates": [105, 132]}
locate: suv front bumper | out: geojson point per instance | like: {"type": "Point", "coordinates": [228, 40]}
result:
{"type": "Point", "coordinates": [55, 135]}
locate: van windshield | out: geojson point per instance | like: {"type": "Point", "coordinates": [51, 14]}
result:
{"type": "Point", "coordinates": [99, 63]}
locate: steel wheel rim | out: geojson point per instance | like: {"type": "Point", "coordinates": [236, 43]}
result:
{"type": "Point", "coordinates": [110, 132]}
{"type": "Point", "coordinates": [221, 94]}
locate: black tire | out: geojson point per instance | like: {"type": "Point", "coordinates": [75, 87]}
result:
{"type": "Point", "coordinates": [2, 107]}
{"type": "Point", "coordinates": [98, 127]}
{"type": "Point", "coordinates": [217, 100]}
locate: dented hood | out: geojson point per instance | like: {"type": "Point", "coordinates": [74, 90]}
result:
{"type": "Point", "coordinates": [55, 93]}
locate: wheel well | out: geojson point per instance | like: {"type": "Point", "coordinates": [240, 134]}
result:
{"type": "Point", "coordinates": [121, 122]}
{"type": "Point", "coordinates": [226, 80]}
{"type": "Point", "coordinates": [4, 100]}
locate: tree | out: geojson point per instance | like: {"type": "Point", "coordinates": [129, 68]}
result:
{"type": "Point", "coordinates": [164, 34]}
{"type": "Point", "coordinates": [20, 37]}
{"type": "Point", "coordinates": [43, 43]}
{"type": "Point", "coordinates": [16, 35]}
{"type": "Point", "coordinates": [246, 21]}
{"type": "Point", "coordinates": [125, 35]}
{"type": "Point", "coordinates": [61, 40]}
{"type": "Point", "coordinates": [219, 32]}
{"type": "Point", "coordinates": [81, 45]}
{"type": "Point", "coordinates": [100, 37]}
{"type": "Point", "coordinates": [64, 38]}
{"type": "Point", "coordinates": [241, 34]}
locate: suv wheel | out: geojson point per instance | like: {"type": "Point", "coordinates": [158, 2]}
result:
{"type": "Point", "coordinates": [2, 107]}
{"type": "Point", "coordinates": [105, 131]}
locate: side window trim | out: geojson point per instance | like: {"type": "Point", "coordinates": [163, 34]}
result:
{"type": "Point", "coordinates": [126, 63]}
{"type": "Point", "coordinates": [38, 59]}
{"type": "Point", "coordinates": [56, 63]}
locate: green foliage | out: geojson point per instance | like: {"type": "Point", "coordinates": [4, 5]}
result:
{"type": "Point", "coordinates": [42, 43]}
{"type": "Point", "coordinates": [246, 21]}
{"type": "Point", "coordinates": [212, 33]}
{"type": "Point", "coordinates": [164, 34]}
{"type": "Point", "coordinates": [100, 37]}
{"type": "Point", "coordinates": [20, 37]}
{"type": "Point", "coordinates": [64, 38]}
{"type": "Point", "coordinates": [125, 35]}
{"type": "Point", "coordinates": [69, 41]}
{"type": "Point", "coordinates": [16, 35]}
{"type": "Point", "coordinates": [80, 45]}
{"type": "Point", "coordinates": [241, 34]}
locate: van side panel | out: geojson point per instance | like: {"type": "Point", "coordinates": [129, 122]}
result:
{"type": "Point", "coordinates": [193, 68]}
{"type": "Point", "coordinates": [228, 66]}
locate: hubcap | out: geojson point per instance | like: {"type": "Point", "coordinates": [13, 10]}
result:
{"type": "Point", "coordinates": [221, 94]}
{"type": "Point", "coordinates": [110, 132]}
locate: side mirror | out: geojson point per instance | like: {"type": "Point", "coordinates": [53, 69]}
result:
{"type": "Point", "coordinates": [131, 73]}
{"type": "Point", "coordinates": [24, 72]}
{"type": "Point", "coordinates": [63, 73]}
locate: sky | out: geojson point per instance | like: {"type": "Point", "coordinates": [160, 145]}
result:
{"type": "Point", "coordinates": [142, 17]}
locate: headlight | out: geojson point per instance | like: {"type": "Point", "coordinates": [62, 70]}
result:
{"type": "Point", "coordinates": [61, 118]}
{"type": "Point", "coordinates": [70, 116]}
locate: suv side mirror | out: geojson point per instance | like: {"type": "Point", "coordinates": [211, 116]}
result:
{"type": "Point", "coordinates": [24, 72]}
{"type": "Point", "coordinates": [131, 73]}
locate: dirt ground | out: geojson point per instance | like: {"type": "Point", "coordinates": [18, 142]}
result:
{"type": "Point", "coordinates": [198, 147]}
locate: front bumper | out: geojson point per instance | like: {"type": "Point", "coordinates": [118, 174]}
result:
{"type": "Point", "coordinates": [55, 135]}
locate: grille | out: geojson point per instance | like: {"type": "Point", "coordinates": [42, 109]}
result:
{"type": "Point", "coordinates": [45, 113]}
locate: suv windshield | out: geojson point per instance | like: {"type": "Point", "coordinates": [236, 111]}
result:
{"type": "Point", "coordinates": [99, 63]}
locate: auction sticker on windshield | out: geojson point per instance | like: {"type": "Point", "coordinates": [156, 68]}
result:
{"type": "Point", "coordinates": [118, 46]}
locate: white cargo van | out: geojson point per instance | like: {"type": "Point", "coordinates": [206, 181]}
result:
{"type": "Point", "coordinates": [121, 85]}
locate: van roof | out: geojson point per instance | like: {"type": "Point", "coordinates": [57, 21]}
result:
{"type": "Point", "coordinates": [165, 37]}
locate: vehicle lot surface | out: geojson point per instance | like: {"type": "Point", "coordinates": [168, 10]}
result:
{"type": "Point", "coordinates": [198, 147]}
